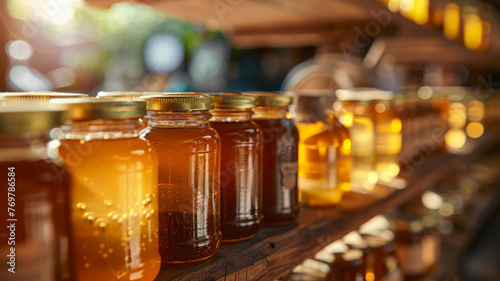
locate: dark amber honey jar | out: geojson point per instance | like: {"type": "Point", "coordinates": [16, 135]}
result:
{"type": "Point", "coordinates": [189, 175]}
{"type": "Point", "coordinates": [241, 166]}
{"type": "Point", "coordinates": [280, 168]}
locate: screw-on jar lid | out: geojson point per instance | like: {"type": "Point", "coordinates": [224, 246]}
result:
{"type": "Point", "coordinates": [92, 108]}
{"type": "Point", "coordinates": [232, 101]}
{"type": "Point", "coordinates": [270, 98]}
{"type": "Point", "coordinates": [127, 94]}
{"type": "Point", "coordinates": [364, 94]}
{"type": "Point", "coordinates": [179, 102]}
{"type": "Point", "coordinates": [42, 97]}
{"type": "Point", "coordinates": [28, 117]}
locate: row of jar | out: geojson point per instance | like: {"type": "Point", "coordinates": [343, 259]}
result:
{"type": "Point", "coordinates": [109, 198]}
{"type": "Point", "coordinates": [252, 175]}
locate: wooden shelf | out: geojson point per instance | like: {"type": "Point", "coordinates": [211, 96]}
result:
{"type": "Point", "coordinates": [275, 251]}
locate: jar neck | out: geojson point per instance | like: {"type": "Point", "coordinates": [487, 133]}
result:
{"type": "Point", "coordinates": [178, 119]}
{"type": "Point", "coordinates": [270, 112]}
{"type": "Point", "coordinates": [101, 129]}
{"type": "Point", "coordinates": [231, 115]}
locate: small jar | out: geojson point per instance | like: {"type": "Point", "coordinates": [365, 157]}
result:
{"type": "Point", "coordinates": [35, 193]}
{"type": "Point", "coordinates": [114, 194]}
{"type": "Point", "coordinates": [189, 175]}
{"type": "Point", "coordinates": [281, 138]}
{"type": "Point", "coordinates": [417, 245]}
{"type": "Point", "coordinates": [241, 166]}
{"type": "Point", "coordinates": [347, 267]}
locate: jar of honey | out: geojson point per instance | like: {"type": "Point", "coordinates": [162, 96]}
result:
{"type": "Point", "coordinates": [241, 166]}
{"type": "Point", "coordinates": [347, 267]}
{"type": "Point", "coordinates": [388, 136]}
{"type": "Point", "coordinates": [353, 111]}
{"type": "Point", "coordinates": [189, 175]}
{"type": "Point", "coordinates": [417, 244]}
{"type": "Point", "coordinates": [280, 168]}
{"type": "Point", "coordinates": [324, 151]}
{"type": "Point", "coordinates": [114, 194]}
{"type": "Point", "coordinates": [35, 185]}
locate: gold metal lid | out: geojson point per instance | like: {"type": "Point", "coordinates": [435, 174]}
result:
{"type": "Point", "coordinates": [92, 108]}
{"type": "Point", "coordinates": [127, 94]}
{"type": "Point", "coordinates": [28, 118]}
{"type": "Point", "coordinates": [42, 97]}
{"type": "Point", "coordinates": [270, 98]}
{"type": "Point", "coordinates": [353, 255]}
{"type": "Point", "coordinates": [230, 101]}
{"type": "Point", "coordinates": [179, 102]}
{"type": "Point", "coordinates": [364, 94]}
{"type": "Point", "coordinates": [222, 93]}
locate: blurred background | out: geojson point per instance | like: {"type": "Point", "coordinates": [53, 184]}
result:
{"type": "Point", "coordinates": [237, 45]}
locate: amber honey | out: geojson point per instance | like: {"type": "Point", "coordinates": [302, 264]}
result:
{"type": "Point", "coordinates": [35, 189]}
{"type": "Point", "coordinates": [114, 195]}
{"type": "Point", "coordinates": [280, 162]}
{"type": "Point", "coordinates": [189, 188]}
{"type": "Point", "coordinates": [189, 222]}
{"type": "Point", "coordinates": [114, 201]}
{"type": "Point", "coordinates": [388, 139]}
{"type": "Point", "coordinates": [325, 169]}
{"type": "Point", "coordinates": [241, 179]}
{"type": "Point", "coordinates": [41, 207]}
{"type": "Point", "coordinates": [241, 166]}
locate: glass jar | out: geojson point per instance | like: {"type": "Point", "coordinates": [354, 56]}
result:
{"type": "Point", "coordinates": [347, 267]}
{"type": "Point", "coordinates": [280, 168]}
{"type": "Point", "coordinates": [189, 175]}
{"type": "Point", "coordinates": [324, 151]}
{"type": "Point", "coordinates": [388, 137]}
{"type": "Point", "coordinates": [353, 111]}
{"type": "Point", "coordinates": [114, 195]}
{"type": "Point", "coordinates": [417, 244]}
{"type": "Point", "coordinates": [241, 166]}
{"type": "Point", "coordinates": [34, 191]}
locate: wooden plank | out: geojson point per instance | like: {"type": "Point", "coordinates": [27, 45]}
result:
{"type": "Point", "coordinates": [275, 251]}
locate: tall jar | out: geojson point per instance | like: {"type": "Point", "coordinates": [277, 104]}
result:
{"type": "Point", "coordinates": [324, 151]}
{"type": "Point", "coordinates": [189, 175]}
{"type": "Point", "coordinates": [281, 138]}
{"type": "Point", "coordinates": [388, 137]}
{"type": "Point", "coordinates": [353, 111]}
{"type": "Point", "coordinates": [34, 192]}
{"type": "Point", "coordinates": [241, 166]}
{"type": "Point", "coordinates": [114, 195]}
